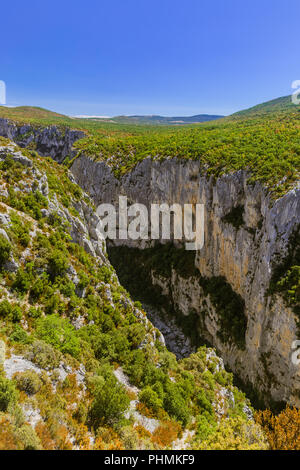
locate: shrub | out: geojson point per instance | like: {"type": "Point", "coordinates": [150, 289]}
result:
{"type": "Point", "coordinates": [223, 378]}
{"type": "Point", "coordinates": [28, 381]}
{"type": "Point", "coordinates": [19, 335]}
{"type": "Point", "coordinates": [34, 312]}
{"type": "Point", "coordinates": [8, 393]}
{"type": "Point", "coordinates": [104, 274]}
{"type": "Point", "coordinates": [175, 404]}
{"type": "Point", "coordinates": [150, 398]}
{"type": "Point", "coordinates": [13, 313]}
{"type": "Point", "coordinates": [206, 425]}
{"type": "Point", "coordinates": [5, 249]}
{"type": "Point", "coordinates": [136, 334]}
{"type": "Point", "coordinates": [5, 308]}
{"type": "Point", "coordinates": [16, 314]}
{"type": "Point", "coordinates": [7, 436]}
{"type": "Point", "coordinates": [204, 403]}
{"type": "Point", "coordinates": [83, 280]}
{"type": "Point", "coordinates": [59, 333]}
{"type": "Point", "coordinates": [27, 435]}
{"type": "Point", "coordinates": [282, 431]}
{"type": "Point", "coordinates": [129, 438]}
{"type": "Point", "coordinates": [45, 436]}
{"type": "Point", "coordinates": [166, 433]}
{"type": "Point", "coordinates": [209, 380]}
{"type": "Point", "coordinates": [22, 281]}
{"type": "Point", "coordinates": [53, 304]}
{"type": "Point", "coordinates": [112, 345]}
{"type": "Point", "coordinates": [167, 360]}
{"type": "Point", "coordinates": [110, 402]}
{"type": "Point", "coordinates": [234, 434]}
{"type": "Point", "coordinates": [43, 355]}
{"type": "Point", "coordinates": [20, 229]}
{"type": "Point", "coordinates": [66, 287]}
{"type": "Point", "coordinates": [57, 263]}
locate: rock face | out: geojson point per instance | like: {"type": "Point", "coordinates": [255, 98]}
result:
{"type": "Point", "coordinates": [173, 336]}
{"type": "Point", "coordinates": [47, 141]}
{"type": "Point", "coordinates": [244, 254]}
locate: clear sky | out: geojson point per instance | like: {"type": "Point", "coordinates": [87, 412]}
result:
{"type": "Point", "coordinates": [170, 57]}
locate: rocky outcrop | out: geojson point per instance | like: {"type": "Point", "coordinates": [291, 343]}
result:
{"type": "Point", "coordinates": [51, 141]}
{"type": "Point", "coordinates": [246, 234]}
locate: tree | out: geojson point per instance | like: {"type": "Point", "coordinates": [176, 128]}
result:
{"type": "Point", "coordinates": [5, 249]}
{"type": "Point", "coordinates": [233, 434]}
{"type": "Point", "coordinates": [57, 263]}
{"type": "Point", "coordinates": [150, 398]}
{"type": "Point", "coordinates": [109, 404]}
{"type": "Point", "coordinates": [8, 393]}
{"type": "Point", "coordinates": [282, 431]}
{"type": "Point", "coordinates": [59, 333]}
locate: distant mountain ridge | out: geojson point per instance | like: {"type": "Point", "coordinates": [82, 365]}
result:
{"type": "Point", "coordinates": [283, 104]}
{"type": "Point", "coordinates": [157, 119]}
{"type": "Point", "coordinates": [34, 112]}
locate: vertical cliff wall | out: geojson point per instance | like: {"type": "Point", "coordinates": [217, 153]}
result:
{"type": "Point", "coordinates": [49, 141]}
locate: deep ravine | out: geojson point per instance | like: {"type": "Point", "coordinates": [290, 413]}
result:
{"type": "Point", "coordinates": [229, 294]}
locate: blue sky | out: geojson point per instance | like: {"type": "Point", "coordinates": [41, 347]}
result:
{"type": "Point", "coordinates": [165, 57]}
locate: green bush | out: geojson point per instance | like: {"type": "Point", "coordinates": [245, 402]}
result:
{"type": "Point", "coordinates": [104, 274]}
{"type": "Point", "coordinates": [110, 402]}
{"type": "Point", "coordinates": [83, 280]}
{"type": "Point", "coordinates": [59, 333]}
{"type": "Point", "coordinates": [28, 381]}
{"type": "Point", "coordinates": [5, 249]}
{"type": "Point", "coordinates": [11, 312]}
{"type": "Point", "coordinates": [136, 334]}
{"type": "Point", "coordinates": [8, 393]}
{"type": "Point", "coordinates": [57, 264]}
{"type": "Point", "coordinates": [19, 335]}
{"type": "Point", "coordinates": [5, 308]}
{"type": "Point", "coordinates": [39, 287]}
{"type": "Point", "coordinates": [30, 203]}
{"type": "Point", "coordinates": [206, 425]}
{"type": "Point", "coordinates": [34, 312]}
{"type": "Point", "coordinates": [53, 304]}
{"type": "Point", "coordinates": [112, 345]}
{"type": "Point", "coordinates": [16, 314]}
{"type": "Point", "coordinates": [150, 398]}
{"type": "Point", "coordinates": [223, 378]}
{"type": "Point", "coordinates": [203, 402]}
{"type": "Point", "coordinates": [20, 229]}
{"type": "Point", "coordinates": [175, 403]}
{"type": "Point", "coordinates": [22, 281]}
{"type": "Point", "coordinates": [65, 286]}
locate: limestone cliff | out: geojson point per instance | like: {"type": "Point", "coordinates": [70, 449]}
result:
{"type": "Point", "coordinates": [48, 141]}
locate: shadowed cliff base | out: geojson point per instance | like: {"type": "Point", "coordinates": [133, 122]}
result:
{"type": "Point", "coordinates": [136, 268]}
